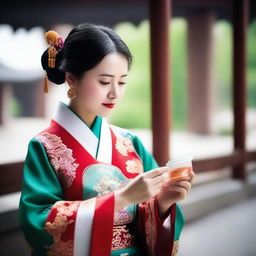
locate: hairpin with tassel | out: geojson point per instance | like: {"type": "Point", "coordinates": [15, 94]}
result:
{"type": "Point", "coordinates": [56, 43]}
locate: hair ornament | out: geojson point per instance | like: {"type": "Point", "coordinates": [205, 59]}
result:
{"type": "Point", "coordinates": [56, 43]}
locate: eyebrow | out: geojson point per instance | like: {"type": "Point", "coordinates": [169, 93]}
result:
{"type": "Point", "coordinates": [111, 75]}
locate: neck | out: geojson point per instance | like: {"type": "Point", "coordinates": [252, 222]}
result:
{"type": "Point", "coordinates": [88, 118]}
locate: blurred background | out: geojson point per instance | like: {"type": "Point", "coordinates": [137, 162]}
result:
{"type": "Point", "coordinates": [210, 86]}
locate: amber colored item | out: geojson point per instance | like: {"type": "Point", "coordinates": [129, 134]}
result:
{"type": "Point", "coordinates": [52, 52]}
{"type": "Point", "coordinates": [45, 84]}
{"type": "Point", "coordinates": [180, 173]}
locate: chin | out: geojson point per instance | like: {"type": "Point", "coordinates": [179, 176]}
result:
{"type": "Point", "coordinates": [105, 114]}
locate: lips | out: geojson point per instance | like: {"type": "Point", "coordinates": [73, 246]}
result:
{"type": "Point", "coordinates": [108, 105]}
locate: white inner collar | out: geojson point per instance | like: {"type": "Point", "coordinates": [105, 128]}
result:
{"type": "Point", "coordinates": [84, 135]}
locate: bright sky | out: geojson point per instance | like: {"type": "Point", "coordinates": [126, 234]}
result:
{"type": "Point", "coordinates": [21, 49]}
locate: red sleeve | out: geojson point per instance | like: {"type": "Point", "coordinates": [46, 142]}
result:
{"type": "Point", "coordinates": [157, 232]}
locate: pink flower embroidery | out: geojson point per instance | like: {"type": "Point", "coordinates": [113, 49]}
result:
{"type": "Point", "coordinates": [122, 216]}
{"type": "Point", "coordinates": [123, 145]}
{"type": "Point", "coordinates": [60, 157]}
{"type": "Point", "coordinates": [134, 166]}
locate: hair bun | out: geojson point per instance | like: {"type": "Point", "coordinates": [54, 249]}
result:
{"type": "Point", "coordinates": [51, 58]}
{"type": "Point", "coordinates": [54, 74]}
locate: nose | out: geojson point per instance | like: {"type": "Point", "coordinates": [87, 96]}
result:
{"type": "Point", "coordinates": [114, 91]}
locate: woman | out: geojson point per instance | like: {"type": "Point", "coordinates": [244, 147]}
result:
{"type": "Point", "coordinates": [89, 187]}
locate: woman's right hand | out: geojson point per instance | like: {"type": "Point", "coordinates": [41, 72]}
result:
{"type": "Point", "coordinates": [142, 188]}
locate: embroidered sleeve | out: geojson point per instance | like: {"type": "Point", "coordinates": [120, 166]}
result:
{"type": "Point", "coordinates": [149, 162]}
{"type": "Point", "coordinates": [157, 233]}
{"type": "Point", "coordinates": [158, 237]}
{"type": "Point", "coordinates": [50, 224]}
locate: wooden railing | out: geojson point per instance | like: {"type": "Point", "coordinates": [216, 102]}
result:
{"type": "Point", "coordinates": [12, 173]}
{"type": "Point", "coordinates": [11, 177]}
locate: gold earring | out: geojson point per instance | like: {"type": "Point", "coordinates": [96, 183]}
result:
{"type": "Point", "coordinates": [71, 93]}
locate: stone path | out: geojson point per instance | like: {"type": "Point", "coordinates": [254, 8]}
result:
{"type": "Point", "coordinates": [227, 232]}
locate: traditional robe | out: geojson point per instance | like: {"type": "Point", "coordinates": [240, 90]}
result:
{"type": "Point", "coordinates": [67, 202]}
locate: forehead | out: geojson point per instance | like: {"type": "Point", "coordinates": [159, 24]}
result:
{"type": "Point", "coordinates": [113, 63]}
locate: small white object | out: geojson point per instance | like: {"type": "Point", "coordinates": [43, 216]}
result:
{"type": "Point", "coordinates": [179, 162]}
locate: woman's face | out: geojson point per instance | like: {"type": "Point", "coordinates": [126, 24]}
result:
{"type": "Point", "coordinates": [104, 84]}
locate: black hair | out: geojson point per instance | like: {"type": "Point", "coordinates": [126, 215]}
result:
{"type": "Point", "coordinates": [85, 46]}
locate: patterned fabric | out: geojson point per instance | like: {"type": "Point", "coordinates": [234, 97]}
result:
{"type": "Point", "coordinates": [134, 166]}
{"type": "Point", "coordinates": [123, 145]}
{"type": "Point", "coordinates": [175, 248]}
{"type": "Point", "coordinates": [59, 224]}
{"type": "Point", "coordinates": [55, 168]}
{"type": "Point", "coordinates": [122, 238]}
{"type": "Point", "coordinates": [150, 225]}
{"type": "Point", "coordinates": [60, 157]}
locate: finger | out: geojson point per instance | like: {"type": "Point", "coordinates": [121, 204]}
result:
{"type": "Point", "coordinates": [156, 189]}
{"type": "Point", "coordinates": [183, 184]}
{"type": "Point", "coordinates": [178, 189]}
{"type": "Point", "coordinates": [157, 179]}
{"type": "Point", "coordinates": [177, 179]}
{"type": "Point", "coordinates": [192, 177]}
{"type": "Point", "coordinates": [156, 172]}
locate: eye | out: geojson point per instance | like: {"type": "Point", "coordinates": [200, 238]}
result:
{"type": "Point", "coordinates": [122, 83]}
{"type": "Point", "coordinates": [102, 82]}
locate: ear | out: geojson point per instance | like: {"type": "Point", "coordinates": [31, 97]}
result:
{"type": "Point", "coordinates": [70, 79]}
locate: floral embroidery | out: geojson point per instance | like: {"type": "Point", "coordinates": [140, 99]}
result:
{"type": "Point", "coordinates": [134, 166]}
{"type": "Point", "coordinates": [122, 216]}
{"type": "Point", "coordinates": [123, 145]}
{"type": "Point", "coordinates": [106, 184]}
{"type": "Point", "coordinates": [61, 248]}
{"type": "Point", "coordinates": [58, 226]}
{"type": "Point", "coordinates": [175, 248]}
{"type": "Point", "coordinates": [65, 210]}
{"type": "Point", "coordinates": [122, 238]}
{"type": "Point", "coordinates": [60, 157]}
{"type": "Point", "coordinates": [150, 226]}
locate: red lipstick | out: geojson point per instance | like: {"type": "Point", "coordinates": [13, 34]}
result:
{"type": "Point", "coordinates": [108, 105]}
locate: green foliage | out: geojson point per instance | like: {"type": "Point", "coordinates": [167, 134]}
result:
{"type": "Point", "coordinates": [134, 108]}
{"type": "Point", "coordinates": [251, 64]}
{"type": "Point", "coordinates": [15, 107]}
{"type": "Point", "coordinates": [223, 63]}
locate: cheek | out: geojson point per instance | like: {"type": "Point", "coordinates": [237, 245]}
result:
{"type": "Point", "coordinates": [92, 91]}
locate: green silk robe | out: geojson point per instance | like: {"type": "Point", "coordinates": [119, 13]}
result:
{"type": "Point", "coordinates": [42, 189]}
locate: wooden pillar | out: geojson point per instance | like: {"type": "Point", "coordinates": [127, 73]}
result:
{"type": "Point", "coordinates": [159, 15]}
{"type": "Point", "coordinates": [5, 98]}
{"type": "Point", "coordinates": [40, 99]}
{"type": "Point", "coordinates": [240, 24]}
{"type": "Point", "coordinates": [200, 72]}
{"type": "Point", "coordinates": [1, 104]}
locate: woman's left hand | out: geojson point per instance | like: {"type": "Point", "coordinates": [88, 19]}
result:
{"type": "Point", "coordinates": [173, 191]}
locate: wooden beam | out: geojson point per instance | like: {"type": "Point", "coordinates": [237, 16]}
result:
{"type": "Point", "coordinates": [11, 177]}
{"type": "Point", "coordinates": [251, 156]}
{"type": "Point", "coordinates": [12, 173]}
{"type": "Point", "coordinates": [159, 15]}
{"type": "Point", "coordinates": [216, 163]}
